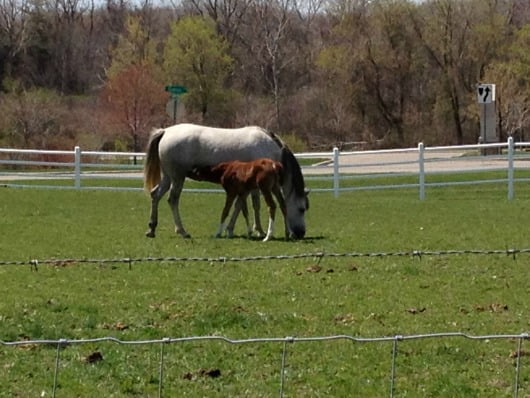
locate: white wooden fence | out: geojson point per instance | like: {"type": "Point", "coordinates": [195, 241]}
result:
{"type": "Point", "coordinates": [507, 163]}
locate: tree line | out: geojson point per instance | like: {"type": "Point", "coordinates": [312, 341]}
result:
{"type": "Point", "coordinates": [376, 73]}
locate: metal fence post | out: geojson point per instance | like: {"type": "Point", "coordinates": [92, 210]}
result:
{"type": "Point", "coordinates": [421, 163]}
{"type": "Point", "coordinates": [511, 150]}
{"type": "Point", "coordinates": [336, 174]}
{"type": "Point", "coordinates": [77, 167]}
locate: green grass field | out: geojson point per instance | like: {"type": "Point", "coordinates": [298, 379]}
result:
{"type": "Point", "coordinates": [357, 296]}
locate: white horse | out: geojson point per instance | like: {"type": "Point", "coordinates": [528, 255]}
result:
{"type": "Point", "coordinates": [174, 152]}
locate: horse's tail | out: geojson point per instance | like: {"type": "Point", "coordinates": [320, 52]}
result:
{"type": "Point", "coordinates": [152, 161]}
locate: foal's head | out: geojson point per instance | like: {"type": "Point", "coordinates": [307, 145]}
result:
{"type": "Point", "coordinates": [207, 173]}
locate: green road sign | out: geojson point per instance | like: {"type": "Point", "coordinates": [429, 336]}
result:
{"type": "Point", "coordinates": [176, 89]}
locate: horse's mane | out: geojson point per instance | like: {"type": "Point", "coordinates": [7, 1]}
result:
{"type": "Point", "coordinates": [276, 139]}
{"type": "Point", "coordinates": [291, 165]}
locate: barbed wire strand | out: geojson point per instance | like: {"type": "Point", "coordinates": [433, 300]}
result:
{"type": "Point", "coordinates": [34, 263]}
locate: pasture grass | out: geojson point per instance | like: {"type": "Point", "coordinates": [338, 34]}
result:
{"type": "Point", "coordinates": [357, 296]}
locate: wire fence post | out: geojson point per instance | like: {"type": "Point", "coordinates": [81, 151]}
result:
{"type": "Point", "coordinates": [284, 360]}
{"type": "Point", "coordinates": [77, 166]}
{"type": "Point", "coordinates": [336, 174]}
{"type": "Point", "coordinates": [511, 151]}
{"type": "Point", "coordinates": [56, 371]}
{"type": "Point", "coordinates": [421, 164]}
{"type": "Point", "coordinates": [518, 355]}
{"type": "Point", "coordinates": [165, 340]}
{"type": "Point", "coordinates": [393, 368]}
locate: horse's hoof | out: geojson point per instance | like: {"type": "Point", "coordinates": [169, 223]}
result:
{"type": "Point", "coordinates": [150, 234]}
{"type": "Point", "coordinates": [183, 233]}
{"type": "Point", "coordinates": [266, 239]}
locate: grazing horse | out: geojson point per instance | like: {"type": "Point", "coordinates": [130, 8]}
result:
{"type": "Point", "coordinates": [239, 179]}
{"type": "Point", "coordinates": [173, 152]}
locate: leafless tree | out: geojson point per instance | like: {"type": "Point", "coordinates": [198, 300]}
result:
{"type": "Point", "coordinates": [14, 29]}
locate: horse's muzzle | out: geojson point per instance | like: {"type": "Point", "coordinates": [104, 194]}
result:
{"type": "Point", "coordinates": [298, 233]}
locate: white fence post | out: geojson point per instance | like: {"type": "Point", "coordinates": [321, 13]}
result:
{"type": "Point", "coordinates": [511, 150]}
{"type": "Point", "coordinates": [421, 163]}
{"type": "Point", "coordinates": [77, 166]}
{"type": "Point", "coordinates": [336, 174]}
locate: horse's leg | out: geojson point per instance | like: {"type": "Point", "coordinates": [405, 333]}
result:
{"type": "Point", "coordinates": [272, 211]}
{"type": "Point", "coordinates": [156, 194]}
{"type": "Point", "coordinates": [229, 200]}
{"type": "Point", "coordinates": [281, 202]}
{"type": "Point", "coordinates": [174, 198]}
{"type": "Point", "coordinates": [257, 219]}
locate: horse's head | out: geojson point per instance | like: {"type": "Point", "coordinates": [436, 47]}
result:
{"type": "Point", "coordinates": [296, 207]}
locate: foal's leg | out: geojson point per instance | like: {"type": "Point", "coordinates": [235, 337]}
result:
{"type": "Point", "coordinates": [229, 200]}
{"type": "Point", "coordinates": [272, 211]}
{"type": "Point", "coordinates": [233, 218]}
{"type": "Point", "coordinates": [256, 206]}
{"type": "Point", "coordinates": [257, 222]}
{"type": "Point", "coordinates": [242, 200]}
{"type": "Point", "coordinates": [156, 194]}
{"type": "Point", "coordinates": [174, 198]}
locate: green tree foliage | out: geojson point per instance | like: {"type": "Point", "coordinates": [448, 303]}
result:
{"type": "Point", "coordinates": [197, 57]}
{"type": "Point", "coordinates": [135, 47]}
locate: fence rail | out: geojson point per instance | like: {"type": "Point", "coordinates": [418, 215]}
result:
{"type": "Point", "coordinates": [420, 165]}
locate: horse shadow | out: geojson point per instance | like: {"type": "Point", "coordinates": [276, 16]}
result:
{"type": "Point", "coordinates": [305, 240]}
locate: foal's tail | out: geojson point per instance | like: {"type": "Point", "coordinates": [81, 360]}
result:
{"type": "Point", "coordinates": [152, 161]}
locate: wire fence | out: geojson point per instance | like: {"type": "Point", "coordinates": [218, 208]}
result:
{"type": "Point", "coordinates": [287, 341]}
